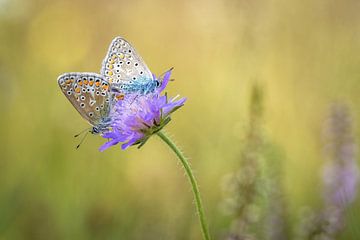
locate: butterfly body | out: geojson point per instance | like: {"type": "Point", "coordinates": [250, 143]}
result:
{"type": "Point", "coordinates": [138, 87]}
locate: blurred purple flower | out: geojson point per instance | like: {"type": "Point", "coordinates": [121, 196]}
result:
{"type": "Point", "coordinates": [135, 118]}
{"type": "Point", "coordinates": [341, 173]}
{"type": "Point", "coordinates": [340, 177]}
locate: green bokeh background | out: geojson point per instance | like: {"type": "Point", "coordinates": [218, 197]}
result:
{"type": "Point", "coordinates": [305, 55]}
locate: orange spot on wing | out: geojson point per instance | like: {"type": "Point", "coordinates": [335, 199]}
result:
{"type": "Point", "coordinates": [80, 83]}
{"type": "Point", "coordinates": [77, 90]}
{"type": "Point", "coordinates": [105, 87]}
{"type": "Point", "coordinates": [86, 81]}
{"type": "Point", "coordinates": [97, 84]}
{"type": "Point", "coordinates": [91, 83]}
{"type": "Point", "coordinates": [120, 97]}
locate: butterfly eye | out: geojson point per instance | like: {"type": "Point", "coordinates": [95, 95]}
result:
{"type": "Point", "coordinates": [91, 114]}
{"type": "Point", "coordinates": [82, 98]}
{"type": "Point", "coordinates": [82, 105]}
{"type": "Point", "coordinates": [97, 109]}
{"type": "Point", "coordinates": [157, 83]}
{"type": "Point", "coordinates": [128, 63]}
{"type": "Point", "coordinates": [136, 64]}
{"type": "Point", "coordinates": [141, 72]}
{"type": "Point", "coordinates": [129, 50]}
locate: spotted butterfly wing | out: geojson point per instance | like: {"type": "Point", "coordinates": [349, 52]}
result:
{"type": "Point", "coordinates": [122, 64]}
{"type": "Point", "coordinates": [90, 94]}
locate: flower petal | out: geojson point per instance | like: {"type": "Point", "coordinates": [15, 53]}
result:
{"type": "Point", "coordinates": [130, 142]}
{"type": "Point", "coordinates": [172, 106]}
{"type": "Point", "coordinates": [108, 144]}
{"type": "Point", "coordinates": [164, 81]}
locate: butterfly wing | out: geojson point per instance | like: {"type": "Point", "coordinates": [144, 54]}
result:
{"type": "Point", "coordinates": [122, 64]}
{"type": "Point", "coordinates": [89, 93]}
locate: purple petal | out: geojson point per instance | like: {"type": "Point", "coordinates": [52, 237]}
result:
{"type": "Point", "coordinates": [170, 106]}
{"type": "Point", "coordinates": [130, 142]}
{"type": "Point", "coordinates": [165, 81]}
{"type": "Point", "coordinates": [108, 144]}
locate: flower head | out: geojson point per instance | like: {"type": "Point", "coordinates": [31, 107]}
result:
{"type": "Point", "coordinates": [135, 118]}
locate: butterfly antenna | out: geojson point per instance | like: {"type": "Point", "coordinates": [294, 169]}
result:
{"type": "Point", "coordinates": [162, 75]}
{"type": "Point", "coordinates": [82, 140]}
{"type": "Point", "coordinates": [76, 135]}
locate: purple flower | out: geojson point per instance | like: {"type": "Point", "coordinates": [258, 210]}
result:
{"type": "Point", "coordinates": [341, 173]}
{"type": "Point", "coordinates": [340, 178]}
{"type": "Point", "coordinates": [135, 118]}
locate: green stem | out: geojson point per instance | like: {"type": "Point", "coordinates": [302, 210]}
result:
{"type": "Point", "coordinates": [192, 180]}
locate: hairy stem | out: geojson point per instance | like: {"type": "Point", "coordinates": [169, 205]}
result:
{"type": "Point", "coordinates": [193, 183]}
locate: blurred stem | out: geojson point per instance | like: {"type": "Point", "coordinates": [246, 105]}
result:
{"type": "Point", "coordinates": [192, 180]}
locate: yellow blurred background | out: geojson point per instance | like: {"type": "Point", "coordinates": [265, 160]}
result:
{"type": "Point", "coordinates": [304, 54]}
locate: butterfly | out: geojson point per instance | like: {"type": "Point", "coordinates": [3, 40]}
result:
{"type": "Point", "coordinates": [90, 94]}
{"type": "Point", "coordinates": [93, 95]}
{"type": "Point", "coordinates": [125, 70]}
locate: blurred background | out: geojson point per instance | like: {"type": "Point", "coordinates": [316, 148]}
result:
{"type": "Point", "coordinates": [270, 67]}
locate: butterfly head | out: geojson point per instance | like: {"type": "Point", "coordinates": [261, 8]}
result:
{"type": "Point", "coordinates": [100, 129]}
{"type": "Point", "coordinates": [95, 130]}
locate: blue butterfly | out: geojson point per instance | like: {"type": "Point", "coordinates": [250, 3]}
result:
{"type": "Point", "coordinates": [125, 70]}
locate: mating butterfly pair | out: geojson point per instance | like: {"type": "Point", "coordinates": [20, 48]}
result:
{"type": "Point", "coordinates": [122, 72]}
